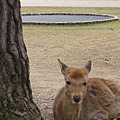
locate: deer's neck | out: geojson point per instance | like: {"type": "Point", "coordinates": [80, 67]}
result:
{"type": "Point", "coordinates": [73, 110]}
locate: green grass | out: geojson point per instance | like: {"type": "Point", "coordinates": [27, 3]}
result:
{"type": "Point", "coordinates": [114, 11]}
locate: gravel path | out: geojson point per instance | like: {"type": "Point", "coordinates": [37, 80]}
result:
{"type": "Point", "coordinates": [72, 3]}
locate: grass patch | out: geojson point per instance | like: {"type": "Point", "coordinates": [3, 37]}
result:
{"type": "Point", "coordinates": [113, 11]}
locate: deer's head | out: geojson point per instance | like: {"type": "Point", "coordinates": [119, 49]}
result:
{"type": "Point", "coordinates": [76, 81]}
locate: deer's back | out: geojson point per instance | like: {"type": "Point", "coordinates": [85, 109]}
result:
{"type": "Point", "coordinates": [102, 100]}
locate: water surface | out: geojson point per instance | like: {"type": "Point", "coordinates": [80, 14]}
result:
{"type": "Point", "coordinates": [62, 18]}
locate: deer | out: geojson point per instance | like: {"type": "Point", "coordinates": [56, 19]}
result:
{"type": "Point", "coordinates": [84, 98]}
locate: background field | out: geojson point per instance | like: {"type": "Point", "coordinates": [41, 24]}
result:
{"type": "Point", "coordinates": [74, 45]}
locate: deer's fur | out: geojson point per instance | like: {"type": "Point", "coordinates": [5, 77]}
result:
{"type": "Point", "coordinates": [84, 98]}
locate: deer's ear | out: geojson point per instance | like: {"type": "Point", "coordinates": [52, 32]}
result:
{"type": "Point", "coordinates": [88, 66]}
{"type": "Point", "coordinates": [63, 67]}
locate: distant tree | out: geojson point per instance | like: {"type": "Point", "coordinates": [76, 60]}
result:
{"type": "Point", "coordinates": [16, 102]}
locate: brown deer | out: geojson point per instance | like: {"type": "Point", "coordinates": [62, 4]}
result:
{"type": "Point", "coordinates": [84, 98]}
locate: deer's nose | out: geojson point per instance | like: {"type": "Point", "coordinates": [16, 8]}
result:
{"type": "Point", "coordinates": [77, 99]}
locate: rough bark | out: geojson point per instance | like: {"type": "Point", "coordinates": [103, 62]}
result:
{"type": "Point", "coordinates": [16, 102]}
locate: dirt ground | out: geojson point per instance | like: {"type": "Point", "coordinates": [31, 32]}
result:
{"type": "Point", "coordinates": [74, 46]}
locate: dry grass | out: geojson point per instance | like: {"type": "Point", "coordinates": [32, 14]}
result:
{"type": "Point", "coordinates": [74, 45]}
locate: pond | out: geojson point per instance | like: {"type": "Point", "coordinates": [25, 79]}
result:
{"type": "Point", "coordinates": [65, 18]}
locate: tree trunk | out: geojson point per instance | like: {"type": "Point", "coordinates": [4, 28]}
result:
{"type": "Point", "coordinates": [16, 102]}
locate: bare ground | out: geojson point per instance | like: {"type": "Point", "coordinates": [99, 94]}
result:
{"type": "Point", "coordinates": [74, 45]}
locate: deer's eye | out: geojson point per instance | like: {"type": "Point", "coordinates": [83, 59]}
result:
{"type": "Point", "coordinates": [84, 83]}
{"type": "Point", "coordinates": [68, 82]}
